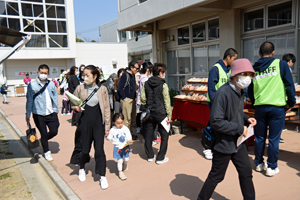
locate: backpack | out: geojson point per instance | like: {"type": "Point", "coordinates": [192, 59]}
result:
{"type": "Point", "coordinates": [127, 83]}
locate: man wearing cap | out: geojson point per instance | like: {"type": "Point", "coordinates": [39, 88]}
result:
{"type": "Point", "coordinates": [229, 122]}
{"type": "Point", "coordinates": [218, 76]}
{"type": "Point", "coordinates": [272, 93]}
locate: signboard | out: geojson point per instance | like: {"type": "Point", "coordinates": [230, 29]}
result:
{"type": "Point", "coordinates": [107, 69]}
{"type": "Point", "coordinates": [34, 73]}
{"type": "Point", "coordinates": [54, 72]}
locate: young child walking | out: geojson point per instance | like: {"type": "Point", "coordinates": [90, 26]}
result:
{"type": "Point", "coordinates": [121, 138]}
{"type": "Point", "coordinates": [65, 105]}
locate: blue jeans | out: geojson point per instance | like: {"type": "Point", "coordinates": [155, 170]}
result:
{"type": "Point", "coordinates": [274, 117]}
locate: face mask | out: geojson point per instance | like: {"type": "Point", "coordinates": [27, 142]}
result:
{"type": "Point", "coordinates": [243, 82]}
{"type": "Point", "coordinates": [88, 81]}
{"type": "Point", "coordinates": [43, 77]}
{"type": "Point", "coordinates": [77, 73]}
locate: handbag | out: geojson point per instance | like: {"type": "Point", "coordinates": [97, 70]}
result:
{"type": "Point", "coordinates": [32, 140]}
{"type": "Point", "coordinates": [147, 109]}
{"type": "Point", "coordinates": [208, 138]}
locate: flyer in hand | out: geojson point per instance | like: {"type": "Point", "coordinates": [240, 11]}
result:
{"type": "Point", "coordinates": [123, 145]}
{"type": "Point", "coordinates": [75, 100]}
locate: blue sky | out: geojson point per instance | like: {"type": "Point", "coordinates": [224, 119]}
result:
{"type": "Point", "coordinates": [90, 14]}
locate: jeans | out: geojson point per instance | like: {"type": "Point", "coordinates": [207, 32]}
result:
{"type": "Point", "coordinates": [274, 117]}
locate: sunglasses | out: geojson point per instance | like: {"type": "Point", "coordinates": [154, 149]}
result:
{"type": "Point", "coordinates": [137, 68]}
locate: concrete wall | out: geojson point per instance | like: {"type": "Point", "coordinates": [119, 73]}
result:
{"type": "Point", "coordinates": [144, 44]}
{"type": "Point", "coordinates": [102, 55]}
{"type": "Point", "coordinates": [154, 9]}
{"type": "Point", "coordinates": [109, 31]}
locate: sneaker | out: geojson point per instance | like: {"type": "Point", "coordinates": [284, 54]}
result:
{"type": "Point", "coordinates": [122, 177]}
{"type": "Point", "coordinates": [154, 143]}
{"type": "Point", "coordinates": [48, 156]}
{"type": "Point", "coordinates": [69, 113]}
{"type": "Point", "coordinates": [151, 159]}
{"type": "Point", "coordinates": [81, 175]}
{"type": "Point", "coordinates": [103, 182]}
{"type": "Point", "coordinates": [208, 154]}
{"type": "Point", "coordinates": [125, 167]}
{"type": "Point", "coordinates": [281, 140]}
{"type": "Point", "coordinates": [261, 167]}
{"type": "Point", "coordinates": [62, 114]}
{"type": "Point", "coordinates": [162, 161]}
{"type": "Point", "coordinates": [271, 172]}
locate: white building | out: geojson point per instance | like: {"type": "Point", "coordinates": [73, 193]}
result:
{"type": "Point", "coordinates": [53, 41]}
{"type": "Point", "coordinates": [52, 29]}
{"type": "Point", "coordinates": [191, 35]}
{"type": "Point", "coordinates": [137, 50]}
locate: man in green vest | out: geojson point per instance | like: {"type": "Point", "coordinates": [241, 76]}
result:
{"type": "Point", "coordinates": [272, 94]}
{"type": "Point", "coordinates": [218, 76]}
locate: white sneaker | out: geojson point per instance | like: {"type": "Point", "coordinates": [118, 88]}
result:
{"type": "Point", "coordinates": [81, 175]}
{"type": "Point", "coordinates": [261, 167]}
{"type": "Point", "coordinates": [103, 183]}
{"type": "Point", "coordinates": [208, 154]}
{"type": "Point", "coordinates": [48, 156]}
{"type": "Point", "coordinates": [162, 161]}
{"type": "Point", "coordinates": [272, 172]}
{"type": "Point", "coordinates": [151, 159]}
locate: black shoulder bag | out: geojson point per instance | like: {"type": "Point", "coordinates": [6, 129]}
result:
{"type": "Point", "coordinates": [90, 96]}
{"type": "Point", "coordinates": [41, 90]}
{"type": "Point", "coordinates": [208, 137]}
{"type": "Point", "coordinates": [148, 108]}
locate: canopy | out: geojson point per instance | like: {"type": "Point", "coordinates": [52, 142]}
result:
{"type": "Point", "coordinates": [10, 37]}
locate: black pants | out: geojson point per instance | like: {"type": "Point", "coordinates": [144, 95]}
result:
{"type": "Point", "coordinates": [219, 166]}
{"type": "Point", "coordinates": [75, 118]}
{"type": "Point", "coordinates": [149, 136]}
{"type": "Point", "coordinates": [92, 130]}
{"type": "Point", "coordinates": [65, 107]}
{"type": "Point", "coordinates": [75, 158]}
{"type": "Point", "coordinates": [41, 122]}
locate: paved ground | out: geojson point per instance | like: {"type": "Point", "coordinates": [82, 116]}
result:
{"type": "Point", "coordinates": [181, 178]}
{"type": "Point", "coordinates": [28, 179]}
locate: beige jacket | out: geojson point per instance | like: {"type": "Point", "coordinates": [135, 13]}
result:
{"type": "Point", "coordinates": [103, 98]}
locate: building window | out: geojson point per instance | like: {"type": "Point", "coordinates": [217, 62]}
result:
{"type": "Point", "coordinates": [2, 8]}
{"type": "Point", "coordinates": [183, 36]}
{"type": "Point", "coordinates": [27, 10]}
{"type": "Point", "coordinates": [199, 33]}
{"type": "Point", "coordinates": [184, 61]}
{"type": "Point", "coordinates": [14, 24]}
{"type": "Point", "coordinates": [58, 41]}
{"type": "Point", "coordinates": [254, 20]}
{"type": "Point", "coordinates": [3, 21]}
{"type": "Point", "coordinates": [55, 1]}
{"type": "Point", "coordinates": [38, 10]}
{"type": "Point", "coordinates": [200, 59]}
{"type": "Point", "coordinates": [40, 1]}
{"type": "Point", "coordinates": [12, 8]}
{"type": "Point", "coordinates": [213, 55]}
{"type": "Point", "coordinates": [122, 36]}
{"type": "Point", "coordinates": [280, 14]}
{"type": "Point", "coordinates": [213, 29]}
{"type": "Point", "coordinates": [37, 41]}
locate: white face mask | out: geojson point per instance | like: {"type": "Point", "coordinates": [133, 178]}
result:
{"type": "Point", "coordinates": [88, 81]}
{"type": "Point", "coordinates": [243, 82]}
{"type": "Point", "coordinates": [43, 77]}
{"type": "Point", "coordinates": [77, 73]}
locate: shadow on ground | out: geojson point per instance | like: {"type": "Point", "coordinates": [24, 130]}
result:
{"type": "Point", "coordinates": [189, 187]}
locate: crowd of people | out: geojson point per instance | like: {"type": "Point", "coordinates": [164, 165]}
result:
{"type": "Point", "coordinates": [137, 100]}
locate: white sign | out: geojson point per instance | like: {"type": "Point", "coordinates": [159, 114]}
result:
{"type": "Point", "coordinates": [107, 69]}
{"type": "Point", "coordinates": [54, 72]}
{"type": "Point", "coordinates": [26, 72]}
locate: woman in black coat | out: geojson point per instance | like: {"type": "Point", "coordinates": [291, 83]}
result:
{"type": "Point", "coordinates": [73, 82]}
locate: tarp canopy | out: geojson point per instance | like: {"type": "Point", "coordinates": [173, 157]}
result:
{"type": "Point", "coordinates": [10, 37]}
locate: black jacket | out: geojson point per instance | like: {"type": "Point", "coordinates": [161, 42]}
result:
{"type": "Point", "coordinates": [110, 85]}
{"type": "Point", "coordinates": [73, 82]}
{"type": "Point", "coordinates": [223, 109]}
{"type": "Point", "coordinates": [155, 98]}
{"type": "Point", "coordinates": [130, 90]}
